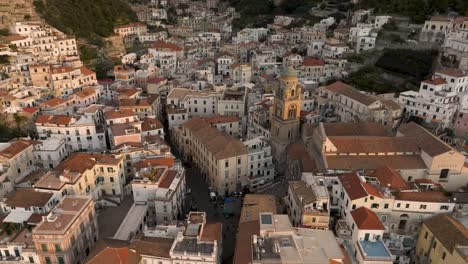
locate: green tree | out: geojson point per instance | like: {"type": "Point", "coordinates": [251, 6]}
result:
{"type": "Point", "coordinates": [89, 19]}
{"type": "Point", "coordinates": [4, 32]}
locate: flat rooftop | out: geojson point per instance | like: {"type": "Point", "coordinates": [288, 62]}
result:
{"type": "Point", "coordinates": [193, 246]}
{"type": "Point", "coordinates": [131, 222]}
{"type": "Point", "coordinates": [254, 204]}
{"type": "Point", "coordinates": [63, 215]}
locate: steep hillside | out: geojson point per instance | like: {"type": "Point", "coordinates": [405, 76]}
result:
{"type": "Point", "coordinates": [417, 10]}
{"type": "Point", "coordinates": [88, 19]}
{"type": "Point", "coordinates": [18, 10]}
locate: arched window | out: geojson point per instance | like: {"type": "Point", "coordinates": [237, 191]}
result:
{"type": "Point", "coordinates": [292, 111]}
{"type": "Point", "coordinates": [292, 92]}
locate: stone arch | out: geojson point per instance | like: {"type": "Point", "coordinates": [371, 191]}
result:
{"type": "Point", "coordinates": [292, 111]}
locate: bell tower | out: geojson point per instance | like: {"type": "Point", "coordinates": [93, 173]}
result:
{"type": "Point", "coordinates": [285, 124]}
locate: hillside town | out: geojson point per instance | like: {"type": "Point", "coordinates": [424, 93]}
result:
{"type": "Point", "coordinates": [206, 143]}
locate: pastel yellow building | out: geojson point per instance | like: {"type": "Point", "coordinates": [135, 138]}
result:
{"type": "Point", "coordinates": [442, 240]}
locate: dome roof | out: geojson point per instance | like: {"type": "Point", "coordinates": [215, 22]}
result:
{"type": "Point", "coordinates": [289, 72]}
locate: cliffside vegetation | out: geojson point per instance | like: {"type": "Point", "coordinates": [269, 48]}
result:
{"type": "Point", "coordinates": [417, 10]}
{"type": "Point", "coordinates": [88, 19]}
{"type": "Point", "coordinates": [396, 70]}
{"type": "Point", "coordinates": [260, 12]}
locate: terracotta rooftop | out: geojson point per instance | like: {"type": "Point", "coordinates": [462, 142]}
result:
{"type": "Point", "coordinates": [67, 211]}
{"type": "Point", "coordinates": [390, 178]}
{"type": "Point", "coordinates": [309, 61]}
{"type": "Point", "coordinates": [168, 178]}
{"type": "Point", "coordinates": [448, 231]}
{"type": "Point", "coordinates": [298, 151]}
{"type": "Point", "coordinates": [354, 129]}
{"type": "Point", "coordinates": [212, 232]}
{"type": "Point", "coordinates": [353, 185]}
{"type": "Point", "coordinates": [425, 139]}
{"type": "Point", "coordinates": [367, 162]}
{"type": "Point", "coordinates": [221, 145]}
{"type": "Point", "coordinates": [351, 92]}
{"type": "Point", "coordinates": [53, 120]}
{"type": "Point", "coordinates": [26, 198]}
{"type": "Point", "coordinates": [81, 161]}
{"type": "Point", "coordinates": [15, 147]}
{"type": "Point", "coordinates": [452, 72]}
{"type": "Point", "coordinates": [366, 219]}
{"type": "Point", "coordinates": [243, 252]}
{"type": "Point", "coordinates": [85, 92]}
{"type": "Point", "coordinates": [150, 124]}
{"type": "Point", "coordinates": [217, 119]}
{"type": "Point", "coordinates": [166, 45]}
{"type": "Point", "coordinates": [109, 251]}
{"type": "Point", "coordinates": [153, 246]}
{"type": "Point", "coordinates": [121, 113]}
{"type": "Point", "coordinates": [13, 37]}
{"type": "Point", "coordinates": [440, 18]}
{"type": "Point", "coordinates": [54, 102]}
{"type": "Point", "coordinates": [85, 71]}
{"type": "Point", "coordinates": [254, 204]}
{"type": "Point", "coordinates": [30, 110]}
{"type": "Point", "coordinates": [429, 196]}
{"type": "Point", "coordinates": [358, 144]}
{"type": "Point", "coordinates": [64, 69]}
{"type": "Point", "coordinates": [133, 103]}
{"type": "Point", "coordinates": [169, 162]}
{"type": "Point", "coordinates": [435, 81]}
{"type": "Point", "coordinates": [156, 80]}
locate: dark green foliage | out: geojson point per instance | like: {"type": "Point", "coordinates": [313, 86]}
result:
{"type": "Point", "coordinates": [368, 78]}
{"type": "Point", "coordinates": [4, 32]}
{"type": "Point", "coordinates": [171, 16]}
{"type": "Point", "coordinates": [88, 54]}
{"type": "Point", "coordinates": [258, 13]}
{"type": "Point", "coordinates": [89, 19]}
{"type": "Point", "coordinates": [408, 62]}
{"type": "Point", "coordinates": [417, 10]}
{"type": "Point", "coordinates": [7, 133]}
{"type": "Point", "coordinates": [102, 67]}
{"type": "Point", "coordinates": [396, 38]}
{"type": "Point", "coordinates": [4, 59]}
{"type": "Point", "coordinates": [390, 26]}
